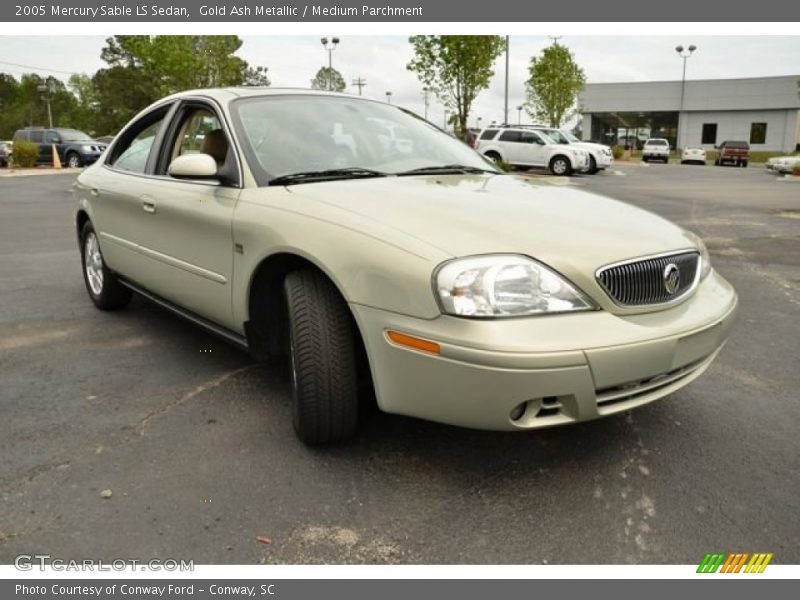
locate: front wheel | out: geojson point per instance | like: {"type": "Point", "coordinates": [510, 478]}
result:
{"type": "Point", "coordinates": [103, 287]}
{"type": "Point", "coordinates": [493, 156]}
{"type": "Point", "coordinates": [73, 160]}
{"type": "Point", "coordinates": [322, 355]}
{"type": "Point", "coordinates": [592, 166]}
{"type": "Point", "coordinates": [744, 164]}
{"type": "Point", "coordinates": [560, 165]}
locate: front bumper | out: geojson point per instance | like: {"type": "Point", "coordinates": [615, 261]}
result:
{"type": "Point", "coordinates": [563, 368]}
{"type": "Point", "coordinates": [88, 158]}
{"type": "Point", "coordinates": [604, 161]}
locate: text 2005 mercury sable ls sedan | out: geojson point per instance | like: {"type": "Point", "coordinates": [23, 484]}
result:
{"type": "Point", "coordinates": [291, 221]}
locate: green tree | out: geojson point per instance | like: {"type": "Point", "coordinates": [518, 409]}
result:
{"type": "Point", "coordinates": [328, 79]}
{"type": "Point", "coordinates": [143, 68]}
{"type": "Point", "coordinates": [553, 85]}
{"type": "Point", "coordinates": [456, 68]}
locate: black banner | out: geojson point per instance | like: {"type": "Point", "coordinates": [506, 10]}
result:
{"type": "Point", "coordinates": [439, 11]}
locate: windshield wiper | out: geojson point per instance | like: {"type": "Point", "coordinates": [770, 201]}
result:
{"type": "Point", "coordinates": [446, 169]}
{"type": "Point", "coordinates": [328, 174]}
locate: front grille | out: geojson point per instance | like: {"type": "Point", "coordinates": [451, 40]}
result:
{"type": "Point", "coordinates": [642, 282]}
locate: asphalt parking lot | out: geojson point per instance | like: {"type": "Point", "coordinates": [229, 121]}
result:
{"type": "Point", "coordinates": [194, 439]}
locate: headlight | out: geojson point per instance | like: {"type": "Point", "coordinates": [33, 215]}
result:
{"type": "Point", "coordinates": [504, 285]}
{"type": "Point", "coordinates": [86, 148]}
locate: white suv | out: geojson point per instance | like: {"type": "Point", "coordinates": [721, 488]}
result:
{"type": "Point", "coordinates": [600, 155]}
{"type": "Point", "coordinates": [526, 147]}
{"type": "Point", "coordinates": [655, 149]}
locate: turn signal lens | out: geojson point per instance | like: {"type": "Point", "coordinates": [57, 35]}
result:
{"type": "Point", "coordinates": [401, 339]}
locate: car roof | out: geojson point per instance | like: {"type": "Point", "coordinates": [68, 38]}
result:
{"type": "Point", "coordinates": [231, 93]}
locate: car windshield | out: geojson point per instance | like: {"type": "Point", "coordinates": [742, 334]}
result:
{"type": "Point", "coordinates": [570, 138]}
{"type": "Point", "coordinates": [556, 136]}
{"type": "Point", "coordinates": [73, 135]}
{"type": "Point", "coordinates": [656, 142]}
{"type": "Point", "coordinates": [338, 137]}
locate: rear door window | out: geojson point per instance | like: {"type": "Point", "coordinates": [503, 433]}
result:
{"type": "Point", "coordinates": [511, 136]}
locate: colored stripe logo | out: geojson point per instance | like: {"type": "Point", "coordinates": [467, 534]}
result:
{"type": "Point", "coordinates": [734, 562]}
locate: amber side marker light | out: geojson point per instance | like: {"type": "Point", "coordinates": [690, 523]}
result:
{"type": "Point", "coordinates": [409, 341]}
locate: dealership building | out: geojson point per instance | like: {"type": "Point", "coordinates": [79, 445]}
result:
{"type": "Point", "coordinates": [764, 111]}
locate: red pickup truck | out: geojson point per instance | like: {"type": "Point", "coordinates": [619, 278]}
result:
{"type": "Point", "coordinates": [733, 152]}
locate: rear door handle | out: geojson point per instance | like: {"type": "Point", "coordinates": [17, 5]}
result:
{"type": "Point", "coordinates": [94, 192]}
{"type": "Point", "coordinates": [149, 206]}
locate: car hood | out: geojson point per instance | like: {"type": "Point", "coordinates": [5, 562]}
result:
{"type": "Point", "coordinates": [461, 215]}
{"type": "Point", "coordinates": [591, 146]}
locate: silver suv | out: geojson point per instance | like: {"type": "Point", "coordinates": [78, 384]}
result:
{"type": "Point", "coordinates": [526, 147]}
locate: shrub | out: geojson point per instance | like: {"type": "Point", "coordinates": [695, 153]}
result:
{"type": "Point", "coordinates": [503, 165]}
{"type": "Point", "coordinates": [25, 153]}
{"type": "Point", "coordinates": [617, 151]}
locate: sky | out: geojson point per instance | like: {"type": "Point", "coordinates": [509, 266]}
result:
{"type": "Point", "coordinates": [381, 61]}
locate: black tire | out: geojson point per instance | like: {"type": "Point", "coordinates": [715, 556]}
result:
{"type": "Point", "coordinates": [73, 160]}
{"type": "Point", "coordinates": [560, 165]}
{"type": "Point", "coordinates": [107, 293]}
{"type": "Point", "coordinates": [322, 356]}
{"type": "Point", "coordinates": [744, 164]}
{"type": "Point", "coordinates": [716, 162]}
{"type": "Point", "coordinates": [592, 166]}
{"type": "Point", "coordinates": [493, 156]}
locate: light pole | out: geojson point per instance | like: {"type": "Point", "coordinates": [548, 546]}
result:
{"type": "Point", "coordinates": [389, 97]}
{"type": "Point", "coordinates": [426, 99]}
{"type": "Point", "coordinates": [684, 53]}
{"type": "Point", "coordinates": [505, 105]}
{"type": "Point", "coordinates": [330, 48]}
{"type": "Point", "coordinates": [519, 115]}
{"type": "Point", "coordinates": [47, 90]}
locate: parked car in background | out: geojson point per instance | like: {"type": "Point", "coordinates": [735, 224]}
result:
{"type": "Point", "coordinates": [6, 151]}
{"type": "Point", "coordinates": [471, 137]}
{"type": "Point", "coordinates": [526, 147]}
{"type": "Point", "coordinates": [695, 155]}
{"type": "Point", "coordinates": [733, 152]}
{"type": "Point", "coordinates": [655, 149]}
{"type": "Point", "coordinates": [783, 164]}
{"type": "Point", "coordinates": [431, 280]}
{"type": "Point", "coordinates": [75, 148]}
{"type": "Point", "coordinates": [600, 155]}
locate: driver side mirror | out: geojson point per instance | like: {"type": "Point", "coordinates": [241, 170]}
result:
{"type": "Point", "coordinates": [193, 166]}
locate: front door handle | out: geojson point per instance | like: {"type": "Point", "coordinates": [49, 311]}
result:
{"type": "Point", "coordinates": [149, 206]}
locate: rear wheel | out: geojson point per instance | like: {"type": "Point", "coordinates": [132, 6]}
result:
{"type": "Point", "coordinates": [322, 355]}
{"type": "Point", "coordinates": [744, 163]}
{"type": "Point", "coordinates": [560, 165]}
{"type": "Point", "coordinates": [103, 287]}
{"type": "Point", "coordinates": [493, 156]}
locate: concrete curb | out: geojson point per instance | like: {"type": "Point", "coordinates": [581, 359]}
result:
{"type": "Point", "coordinates": [37, 172]}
